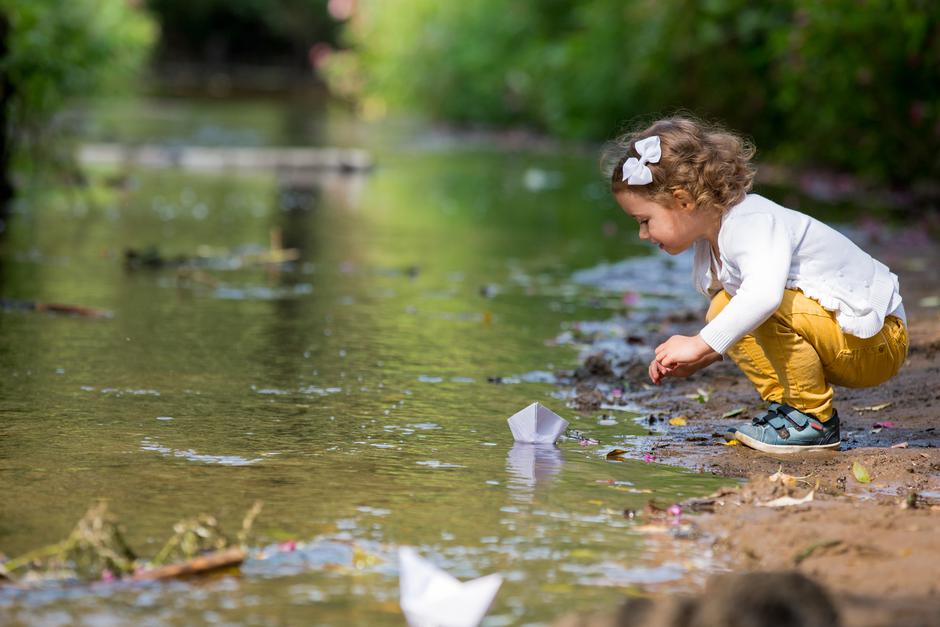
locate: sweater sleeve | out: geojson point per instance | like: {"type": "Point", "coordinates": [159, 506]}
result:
{"type": "Point", "coordinates": [759, 246]}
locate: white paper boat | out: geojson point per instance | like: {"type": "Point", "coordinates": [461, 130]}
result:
{"type": "Point", "coordinates": [537, 424]}
{"type": "Point", "coordinates": [432, 598]}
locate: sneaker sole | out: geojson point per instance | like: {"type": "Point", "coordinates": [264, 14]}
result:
{"type": "Point", "coordinates": [783, 449]}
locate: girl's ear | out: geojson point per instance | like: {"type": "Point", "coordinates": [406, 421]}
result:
{"type": "Point", "coordinates": [683, 200]}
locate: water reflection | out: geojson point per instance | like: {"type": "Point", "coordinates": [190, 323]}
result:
{"type": "Point", "coordinates": [532, 464]}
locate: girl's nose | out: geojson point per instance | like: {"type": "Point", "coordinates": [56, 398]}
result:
{"type": "Point", "coordinates": [644, 232]}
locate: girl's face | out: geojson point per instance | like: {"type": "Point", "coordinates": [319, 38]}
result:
{"type": "Point", "coordinates": [673, 229]}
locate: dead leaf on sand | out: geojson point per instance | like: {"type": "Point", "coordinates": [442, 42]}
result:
{"type": "Point", "coordinates": [874, 407]}
{"type": "Point", "coordinates": [787, 501]}
{"type": "Point", "coordinates": [785, 479]}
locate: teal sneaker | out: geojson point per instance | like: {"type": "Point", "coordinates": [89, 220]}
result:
{"type": "Point", "coordinates": [784, 429]}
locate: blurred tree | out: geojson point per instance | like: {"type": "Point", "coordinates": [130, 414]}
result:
{"type": "Point", "coordinates": [254, 32]}
{"type": "Point", "coordinates": [853, 84]}
{"type": "Point", "coordinates": [860, 83]}
{"type": "Point", "coordinates": [53, 51]}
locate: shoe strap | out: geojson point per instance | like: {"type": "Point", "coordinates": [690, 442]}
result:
{"type": "Point", "coordinates": [793, 414]}
{"type": "Point", "coordinates": [763, 418]}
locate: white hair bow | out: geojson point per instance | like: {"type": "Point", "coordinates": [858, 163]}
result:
{"type": "Point", "coordinates": [635, 171]}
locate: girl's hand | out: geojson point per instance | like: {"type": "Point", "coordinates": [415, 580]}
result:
{"type": "Point", "coordinates": [681, 356]}
{"type": "Point", "coordinates": [682, 350]}
{"type": "Point", "coordinates": [657, 372]}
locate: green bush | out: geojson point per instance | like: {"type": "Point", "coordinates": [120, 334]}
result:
{"type": "Point", "coordinates": [58, 50]}
{"type": "Point", "coordinates": [851, 84]}
{"type": "Point", "coordinates": [860, 83]}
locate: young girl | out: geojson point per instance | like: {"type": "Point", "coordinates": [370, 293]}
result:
{"type": "Point", "coordinates": [794, 303]}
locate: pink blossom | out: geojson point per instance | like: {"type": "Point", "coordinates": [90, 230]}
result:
{"type": "Point", "coordinates": [319, 53]}
{"type": "Point", "coordinates": [341, 9]}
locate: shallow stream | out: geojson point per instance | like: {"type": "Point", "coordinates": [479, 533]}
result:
{"type": "Point", "coordinates": [349, 391]}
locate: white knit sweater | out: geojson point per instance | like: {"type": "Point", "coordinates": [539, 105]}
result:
{"type": "Point", "coordinates": [766, 248]}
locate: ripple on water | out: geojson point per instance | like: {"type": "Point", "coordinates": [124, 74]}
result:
{"type": "Point", "coordinates": [434, 463]}
{"type": "Point", "coordinates": [118, 392]}
{"type": "Point", "coordinates": [149, 444]}
{"type": "Point", "coordinates": [262, 292]}
{"type": "Point", "coordinates": [616, 575]}
{"type": "Point", "coordinates": [425, 426]}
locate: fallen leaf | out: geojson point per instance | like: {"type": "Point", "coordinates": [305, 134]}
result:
{"type": "Point", "coordinates": [651, 529]}
{"type": "Point", "coordinates": [733, 413]}
{"type": "Point", "coordinates": [787, 501]}
{"type": "Point", "coordinates": [861, 473]}
{"type": "Point", "coordinates": [785, 479]}
{"type": "Point", "coordinates": [678, 421]}
{"type": "Point", "coordinates": [616, 453]}
{"type": "Point", "coordinates": [732, 442]}
{"type": "Point", "coordinates": [899, 445]}
{"type": "Point", "coordinates": [887, 424]}
{"type": "Point", "coordinates": [701, 395]}
{"type": "Point", "coordinates": [825, 544]}
{"type": "Point", "coordinates": [874, 407]}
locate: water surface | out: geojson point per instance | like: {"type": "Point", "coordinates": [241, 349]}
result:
{"type": "Point", "coordinates": [349, 390]}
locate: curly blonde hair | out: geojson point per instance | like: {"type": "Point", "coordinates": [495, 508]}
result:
{"type": "Point", "coordinates": [710, 163]}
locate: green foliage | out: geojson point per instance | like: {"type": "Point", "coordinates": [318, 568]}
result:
{"type": "Point", "coordinates": [846, 83]}
{"type": "Point", "coordinates": [60, 50]}
{"type": "Point", "coordinates": [863, 79]}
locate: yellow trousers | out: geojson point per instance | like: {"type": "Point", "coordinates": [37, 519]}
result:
{"type": "Point", "coordinates": [800, 352]}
